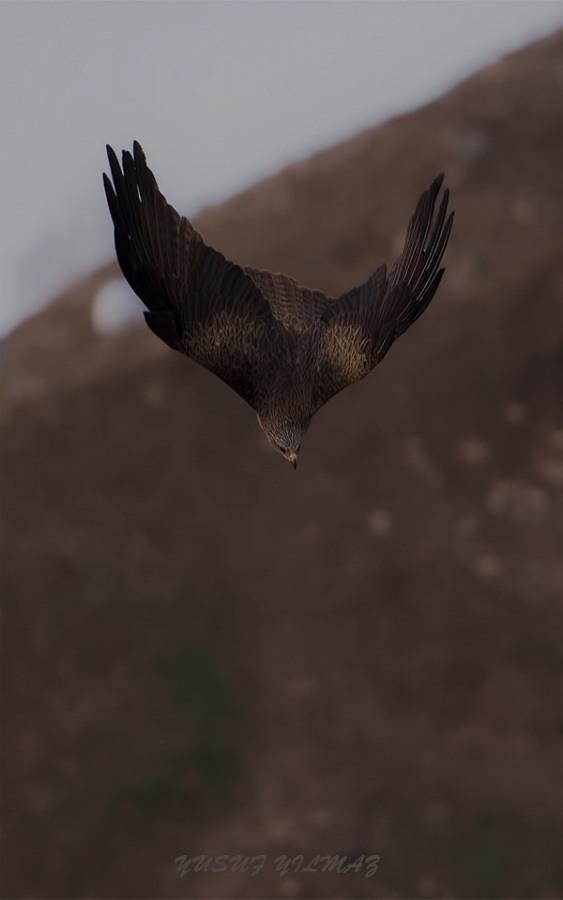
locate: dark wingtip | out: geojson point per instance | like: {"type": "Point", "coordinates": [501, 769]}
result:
{"type": "Point", "coordinates": [436, 184]}
{"type": "Point", "coordinates": [111, 153]}
{"type": "Point", "coordinates": [116, 173]}
{"type": "Point", "coordinates": [138, 154]}
{"type": "Point", "coordinates": [107, 185]}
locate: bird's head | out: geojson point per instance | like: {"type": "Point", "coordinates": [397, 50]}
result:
{"type": "Point", "coordinates": [285, 436]}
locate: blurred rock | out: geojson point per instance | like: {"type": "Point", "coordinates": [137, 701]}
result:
{"type": "Point", "coordinates": [486, 566]}
{"type": "Point", "coordinates": [467, 527]}
{"type": "Point", "coordinates": [474, 145]}
{"type": "Point", "coordinates": [514, 413]}
{"type": "Point", "coordinates": [436, 813]}
{"type": "Point", "coordinates": [289, 887]}
{"type": "Point", "coordinates": [427, 886]}
{"type": "Point", "coordinates": [116, 308]}
{"type": "Point", "coordinates": [523, 212]}
{"type": "Point", "coordinates": [519, 502]}
{"type": "Point", "coordinates": [379, 522]}
{"type": "Point", "coordinates": [550, 470]}
{"type": "Point", "coordinates": [472, 452]}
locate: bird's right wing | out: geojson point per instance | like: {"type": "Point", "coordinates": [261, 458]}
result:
{"type": "Point", "coordinates": [357, 330]}
{"type": "Point", "coordinates": [198, 302]}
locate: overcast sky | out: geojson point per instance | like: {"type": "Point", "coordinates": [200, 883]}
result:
{"type": "Point", "coordinates": [219, 94]}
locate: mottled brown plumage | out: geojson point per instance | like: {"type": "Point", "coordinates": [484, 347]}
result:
{"type": "Point", "coordinates": [284, 348]}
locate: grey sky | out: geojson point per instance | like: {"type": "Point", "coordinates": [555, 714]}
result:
{"type": "Point", "coordinates": [220, 94]}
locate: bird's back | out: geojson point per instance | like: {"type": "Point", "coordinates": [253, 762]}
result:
{"type": "Point", "coordinates": [295, 306]}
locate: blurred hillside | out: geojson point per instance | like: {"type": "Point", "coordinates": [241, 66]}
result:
{"type": "Point", "coordinates": [206, 652]}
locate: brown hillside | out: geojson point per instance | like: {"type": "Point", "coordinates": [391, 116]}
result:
{"type": "Point", "coordinates": [206, 652]}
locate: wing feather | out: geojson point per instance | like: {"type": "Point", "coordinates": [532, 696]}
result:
{"type": "Point", "coordinates": [357, 330]}
{"type": "Point", "coordinates": [197, 301]}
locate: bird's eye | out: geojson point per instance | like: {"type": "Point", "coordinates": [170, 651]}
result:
{"type": "Point", "coordinates": [282, 450]}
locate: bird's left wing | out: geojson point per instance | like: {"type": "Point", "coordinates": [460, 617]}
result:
{"type": "Point", "coordinates": [198, 302]}
{"type": "Point", "coordinates": [356, 331]}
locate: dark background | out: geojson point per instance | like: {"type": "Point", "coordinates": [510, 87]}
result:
{"type": "Point", "coordinates": [206, 652]}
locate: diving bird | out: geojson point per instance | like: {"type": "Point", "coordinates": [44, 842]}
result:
{"type": "Point", "coordinates": [286, 349]}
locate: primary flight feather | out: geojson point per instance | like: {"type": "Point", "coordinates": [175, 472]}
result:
{"type": "Point", "coordinates": [286, 349]}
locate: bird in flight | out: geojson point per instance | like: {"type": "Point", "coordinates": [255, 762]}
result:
{"type": "Point", "coordinates": [286, 349]}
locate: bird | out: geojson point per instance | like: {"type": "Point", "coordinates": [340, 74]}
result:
{"type": "Point", "coordinates": [286, 349]}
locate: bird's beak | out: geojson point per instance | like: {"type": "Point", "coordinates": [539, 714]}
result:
{"type": "Point", "coordinates": [292, 457]}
